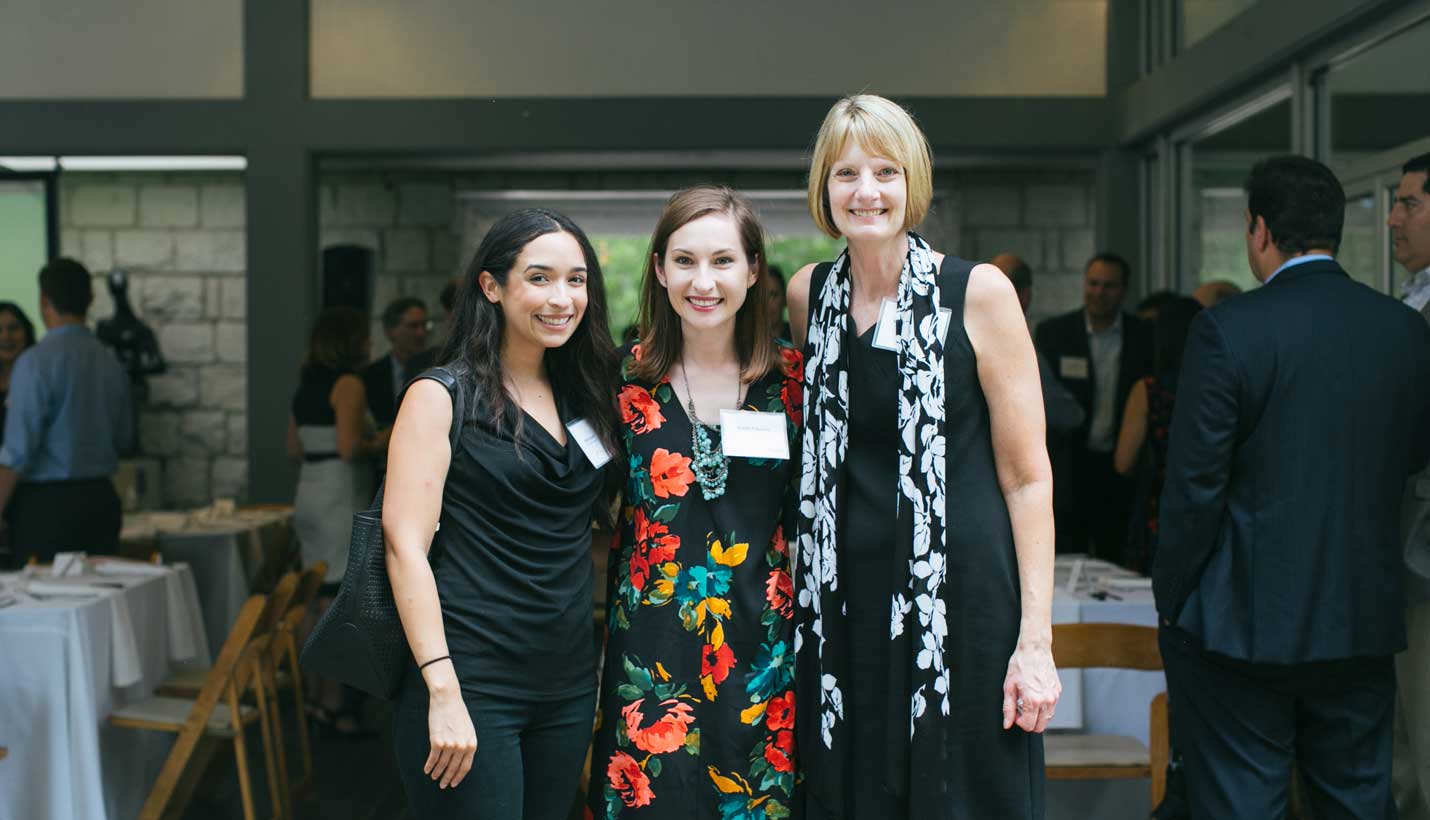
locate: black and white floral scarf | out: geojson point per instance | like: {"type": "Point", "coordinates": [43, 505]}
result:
{"type": "Point", "coordinates": [918, 623]}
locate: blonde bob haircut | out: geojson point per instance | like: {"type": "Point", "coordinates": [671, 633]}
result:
{"type": "Point", "coordinates": [881, 127]}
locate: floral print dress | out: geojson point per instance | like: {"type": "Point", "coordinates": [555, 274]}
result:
{"type": "Point", "coordinates": [697, 698]}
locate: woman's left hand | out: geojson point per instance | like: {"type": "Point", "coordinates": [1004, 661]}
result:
{"type": "Point", "coordinates": [1031, 689]}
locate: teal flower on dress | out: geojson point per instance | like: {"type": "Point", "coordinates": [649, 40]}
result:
{"type": "Point", "coordinates": [771, 671]}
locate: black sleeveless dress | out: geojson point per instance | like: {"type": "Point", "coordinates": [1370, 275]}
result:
{"type": "Point", "coordinates": [983, 771]}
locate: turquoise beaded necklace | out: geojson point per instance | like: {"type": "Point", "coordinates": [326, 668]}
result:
{"type": "Point", "coordinates": [708, 461]}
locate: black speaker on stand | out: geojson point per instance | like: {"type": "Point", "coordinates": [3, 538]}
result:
{"type": "Point", "coordinates": [347, 278]}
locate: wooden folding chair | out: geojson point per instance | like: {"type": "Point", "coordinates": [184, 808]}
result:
{"type": "Point", "coordinates": [259, 660]}
{"type": "Point", "coordinates": [1109, 757]}
{"type": "Point", "coordinates": [285, 648]}
{"type": "Point", "coordinates": [217, 713]}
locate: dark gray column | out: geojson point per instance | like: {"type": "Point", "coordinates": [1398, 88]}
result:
{"type": "Point", "coordinates": [282, 233]}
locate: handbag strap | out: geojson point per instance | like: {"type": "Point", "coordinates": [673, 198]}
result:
{"type": "Point", "coordinates": [448, 379]}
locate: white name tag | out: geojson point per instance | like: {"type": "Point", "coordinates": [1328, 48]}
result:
{"type": "Point", "coordinates": [1072, 367]}
{"type": "Point", "coordinates": [752, 434]}
{"type": "Point", "coordinates": [589, 442]}
{"type": "Point", "coordinates": [886, 337]}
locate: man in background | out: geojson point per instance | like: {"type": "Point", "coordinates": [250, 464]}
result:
{"type": "Point", "coordinates": [1410, 230]}
{"type": "Point", "coordinates": [1301, 410]}
{"type": "Point", "coordinates": [69, 420]}
{"type": "Point", "coordinates": [405, 323]}
{"type": "Point", "coordinates": [1063, 412]}
{"type": "Point", "coordinates": [1098, 353]}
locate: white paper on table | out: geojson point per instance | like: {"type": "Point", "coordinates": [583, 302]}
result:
{"type": "Point", "coordinates": [73, 589]}
{"type": "Point", "coordinates": [119, 566]}
{"type": "Point", "coordinates": [67, 564]}
{"type": "Point", "coordinates": [125, 665]}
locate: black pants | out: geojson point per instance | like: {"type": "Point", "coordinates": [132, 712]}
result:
{"type": "Point", "coordinates": [1098, 504]}
{"type": "Point", "coordinates": [47, 517]}
{"type": "Point", "coordinates": [528, 762]}
{"type": "Point", "coordinates": [1242, 727]}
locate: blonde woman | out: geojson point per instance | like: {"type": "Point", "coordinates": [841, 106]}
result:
{"type": "Point", "coordinates": [925, 538]}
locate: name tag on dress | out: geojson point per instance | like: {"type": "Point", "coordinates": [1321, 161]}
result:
{"type": "Point", "coordinates": [885, 335]}
{"type": "Point", "coordinates": [589, 442]}
{"type": "Point", "coordinates": [1072, 367]}
{"type": "Point", "coordinates": [752, 434]}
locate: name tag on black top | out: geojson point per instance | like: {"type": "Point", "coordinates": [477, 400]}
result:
{"type": "Point", "coordinates": [886, 337]}
{"type": "Point", "coordinates": [589, 442]}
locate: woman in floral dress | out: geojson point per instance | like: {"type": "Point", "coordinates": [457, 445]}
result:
{"type": "Point", "coordinates": [697, 697]}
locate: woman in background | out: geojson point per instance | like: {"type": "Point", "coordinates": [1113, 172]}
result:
{"type": "Point", "coordinates": [1147, 420]}
{"type": "Point", "coordinates": [332, 438]}
{"type": "Point", "coordinates": [17, 334]}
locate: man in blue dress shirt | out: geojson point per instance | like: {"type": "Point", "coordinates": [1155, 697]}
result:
{"type": "Point", "coordinates": [68, 422]}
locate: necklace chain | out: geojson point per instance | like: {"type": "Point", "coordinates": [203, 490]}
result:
{"type": "Point", "coordinates": [709, 462]}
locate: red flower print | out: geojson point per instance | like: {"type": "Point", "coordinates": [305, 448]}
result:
{"type": "Point", "coordinates": [639, 409]}
{"type": "Point", "coordinates": [636, 351]}
{"type": "Point", "coordinates": [654, 546]}
{"type": "Point", "coordinates": [793, 363]}
{"type": "Point", "coordinates": [780, 712]}
{"type": "Point", "coordinates": [779, 543]}
{"type": "Point", "coordinates": [792, 394]}
{"type": "Point", "coordinates": [779, 592]}
{"type": "Point", "coordinates": [779, 751]}
{"type": "Point", "coordinates": [717, 662]}
{"type": "Point", "coordinates": [670, 473]}
{"type": "Point", "coordinates": [629, 780]}
{"type": "Point", "coordinates": [665, 735]}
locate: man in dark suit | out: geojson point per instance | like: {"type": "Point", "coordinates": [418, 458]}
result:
{"type": "Point", "coordinates": [1409, 224]}
{"type": "Point", "coordinates": [405, 323]}
{"type": "Point", "coordinates": [1098, 353]}
{"type": "Point", "coordinates": [1301, 410]}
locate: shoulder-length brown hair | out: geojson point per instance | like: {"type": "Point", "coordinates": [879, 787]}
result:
{"type": "Point", "coordinates": [339, 339]}
{"type": "Point", "coordinates": [660, 334]}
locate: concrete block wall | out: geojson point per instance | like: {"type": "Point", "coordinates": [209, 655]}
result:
{"type": "Point", "coordinates": [408, 223]}
{"type": "Point", "coordinates": [1048, 218]}
{"type": "Point", "coordinates": [181, 239]}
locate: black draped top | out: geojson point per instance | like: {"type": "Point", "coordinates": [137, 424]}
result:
{"type": "Point", "coordinates": [512, 560]}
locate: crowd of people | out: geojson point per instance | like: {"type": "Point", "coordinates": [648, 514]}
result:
{"type": "Point", "coordinates": [831, 577]}
{"type": "Point", "coordinates": [837, 603]}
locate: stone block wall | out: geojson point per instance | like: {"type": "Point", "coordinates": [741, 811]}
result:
{"type": "Point", "coordinates": [408, 222]}
{"type": "Point", "coordinates": [1048, 218]}
{"type": "Point", "coordinates": [181, 239]}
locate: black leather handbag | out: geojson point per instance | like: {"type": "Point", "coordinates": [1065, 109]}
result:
{"type": "Point", "coordinates": [359, 640]}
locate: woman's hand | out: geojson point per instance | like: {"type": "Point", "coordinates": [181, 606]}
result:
{"type": "Point", "coordinates": [452, 736]}
{"type": "Point", "coordinates": [1031, 689]}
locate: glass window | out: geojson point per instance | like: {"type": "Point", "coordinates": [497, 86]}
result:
{"type": "Point", "coordinates": [1380, 98]}
{"type": "Point", "coordinates": [1360, 238]}
{"type": "Point", "coordinates": [1215, 246]}
{"type": "Point", "coordinates": [1198, 18]}
{"type": "Point", "coordinates": [24, 243]}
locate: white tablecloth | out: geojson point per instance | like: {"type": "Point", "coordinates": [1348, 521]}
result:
{"type": "Point", "coordinates": [65, 664]}
{"type": "Point", "coordinates": [226, 555]}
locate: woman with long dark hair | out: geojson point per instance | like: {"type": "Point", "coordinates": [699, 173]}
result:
{"type": "Point", "coordinates": [17, 334]}
{"type": "Point", "coordinates": [1147, 420]}
{"type": "Point", "coordinates": [495, 713]}
{"type": "Point", "coordinates": [697, 700]}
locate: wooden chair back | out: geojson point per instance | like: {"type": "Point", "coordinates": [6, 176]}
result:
{"type": "Point", "coordinates": [1118, 646]}
{"type": "Point", "coordinates": [220, 681]}
{"type": "Point", "coordinates": [1106, 646]}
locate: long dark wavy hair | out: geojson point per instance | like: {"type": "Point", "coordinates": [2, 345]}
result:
{"type": "Point", "coordinates": [582, 371]}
